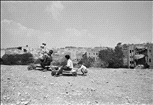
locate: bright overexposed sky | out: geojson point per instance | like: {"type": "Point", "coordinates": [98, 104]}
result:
{"type": "Point", "coordinates": [77, 23]}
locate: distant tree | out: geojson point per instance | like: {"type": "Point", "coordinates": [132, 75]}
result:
{"type": "Point", "coordinates": [114, 58]}
{"type": "Point", "coordinates": [87, 61]}
{"type": "Point", "coordinates": [118, 56]}
{"type": "Point", "coordinates": [107, 56]}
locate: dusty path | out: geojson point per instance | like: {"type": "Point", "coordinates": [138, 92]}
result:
{"type": "Point", "coordinates": [100, 86]}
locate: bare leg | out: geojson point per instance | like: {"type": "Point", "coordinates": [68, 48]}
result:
{"type": "Point", "coordinates": [59, 71]}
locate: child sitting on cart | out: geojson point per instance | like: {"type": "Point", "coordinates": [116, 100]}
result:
{"type": "Point", "coordinates": [82, 68]}
{"type": "Point", "coordinates": [68, 67]}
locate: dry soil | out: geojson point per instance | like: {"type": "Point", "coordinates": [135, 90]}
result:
{"type": "Point", "coordinates": [101, 86]}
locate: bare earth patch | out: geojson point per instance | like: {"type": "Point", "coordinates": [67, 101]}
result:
{"type": "Point", "coordinates": [101, 86]}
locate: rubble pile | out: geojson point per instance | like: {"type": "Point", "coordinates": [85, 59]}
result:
{"type": "Point", "coordinates": [140, 57]}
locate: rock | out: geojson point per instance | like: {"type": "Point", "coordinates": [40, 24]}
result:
{"type": "Point", "coordinates": [51, 83]}
{"type": "Point", "coordinates": [45, 96]}
{"type": "Point", "coordinates": [25, 102]}
{"type": "Point", "coordinates": [92, 81]}
{"type": "Point", "coordinates": [88, 102]}
{"type": "Point", "coordinates": [125, 72]}
{"type": "Point", "coordinates": [8, 98]}
{"type": "Point", "coordinates": [19, 93]}
{"type": "Point", "coordinates": [128, 100]}
{"type": "Point", "coordinates": [26, 93]}
{"type": "Point", "coordinates": [4, 97]}
{"type": "Point", "coordinates": [44, 76]}
{"type": "Point", "coordinates": [62, 93]}
{"type": "Point", "coordinates": [92, 89]}
{"type": "Point", "coordinates": [96, 101]}
{"type": "Point", "coordinates": [8, 78]}
{"type": "Point", "coordinates": [22, 99]}
{"type": "Point", "coordinates": [18, 102]}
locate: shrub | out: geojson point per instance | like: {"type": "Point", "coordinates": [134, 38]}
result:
{"type": "Point", "coordinates": [1, 61]}
{"type": "Point", "coordinates": [87, 61]}
{"type": "Point", "coordinates": [17, 59]}
{"type": "Point", "coordinates": [100, 63]}
{"type": "Point", "coordinates": [112, 57]}
{"type": "Point", "coordinates": [55, 63]}
{"type": "Point", "coordinates": [59, 62]}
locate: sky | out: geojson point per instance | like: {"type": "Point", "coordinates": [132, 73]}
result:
{"type": "Point", "coordinates": [75, 23]}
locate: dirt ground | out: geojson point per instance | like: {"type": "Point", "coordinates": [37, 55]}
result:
{"type": "Point", "coordinates": [100, 87]}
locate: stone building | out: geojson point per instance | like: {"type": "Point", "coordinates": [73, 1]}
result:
{"type": "Point", "coordinates": [150, 54]}
{"type": "Point", "coordinates": [135, 54]}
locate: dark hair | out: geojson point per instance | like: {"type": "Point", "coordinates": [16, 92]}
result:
{"type": "Point", "coordinates": [44, 44]}
{"type": "Point", "coordinates": [50, 51]}
{"type": "Point", "coordinates": [67, 56]}
{"type": "Point", "coordinates": [41, 46]}
{"type": "Point", "coordinates": [80, 62]}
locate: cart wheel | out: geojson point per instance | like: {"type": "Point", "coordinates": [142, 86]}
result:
{"type": "Point", "coordinates": [47, 68]}
{"type": "Point", "coordinates": [53, 72]}
{"type": "Point", "coordinates": [86, 71]}
{"type": "Point", "coordinates": [29, 68]}
{"type": "Point", "coordinates": [74, 74]}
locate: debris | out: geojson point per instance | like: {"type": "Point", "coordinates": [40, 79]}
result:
{"type": "Point", "coordinates": [118, 86]}
{"type": "Point", "coordinates": [18, 102]}
{"type": "Point", "coordinates": [88, 102]}
{"type": "Point", "coordinates": [7, 97]}
{"type": "Point", "coordinates": [22, 99]}
{"type": "Point", "coordinates": [92, 89]}
{"type": "Point", "coordinates": [8, 78]}
{"type": "Point", "coordinates": [125, 72]}
{"type": "Point", "coordinates": [62, 93]}
{"type": "Point", "coordinates": [13, 88]}
{"type": "Point", "coordinates": [127, 100]}
{"type": "Point", "coordinates": [4, 97]}
{"type": "Point", "coordinates": [46, 96]}
{"type": "Point", "coordinates": [25, 102]}
{"type": "Point", "coordinates": [96, 101]}
{"type": "Point", "coordinates": [51, 83]}
{"type": "Point", "coordinates": [19, 93]}
{"type": "Point", "coordinates": [26, 93]}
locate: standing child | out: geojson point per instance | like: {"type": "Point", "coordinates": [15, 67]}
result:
{"type": "Point", "coordinates": [82, 68]}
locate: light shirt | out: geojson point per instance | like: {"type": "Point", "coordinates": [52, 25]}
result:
{"type": "Point", "coordinates": [69, 64]}
{"type": "Point", "coordinates": [82, 68]}
{"type": "Point", "coordinates": [45, 50]}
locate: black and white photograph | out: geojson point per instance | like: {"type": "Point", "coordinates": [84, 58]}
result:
{"type": "Point", "coordinates": [76, 52]}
